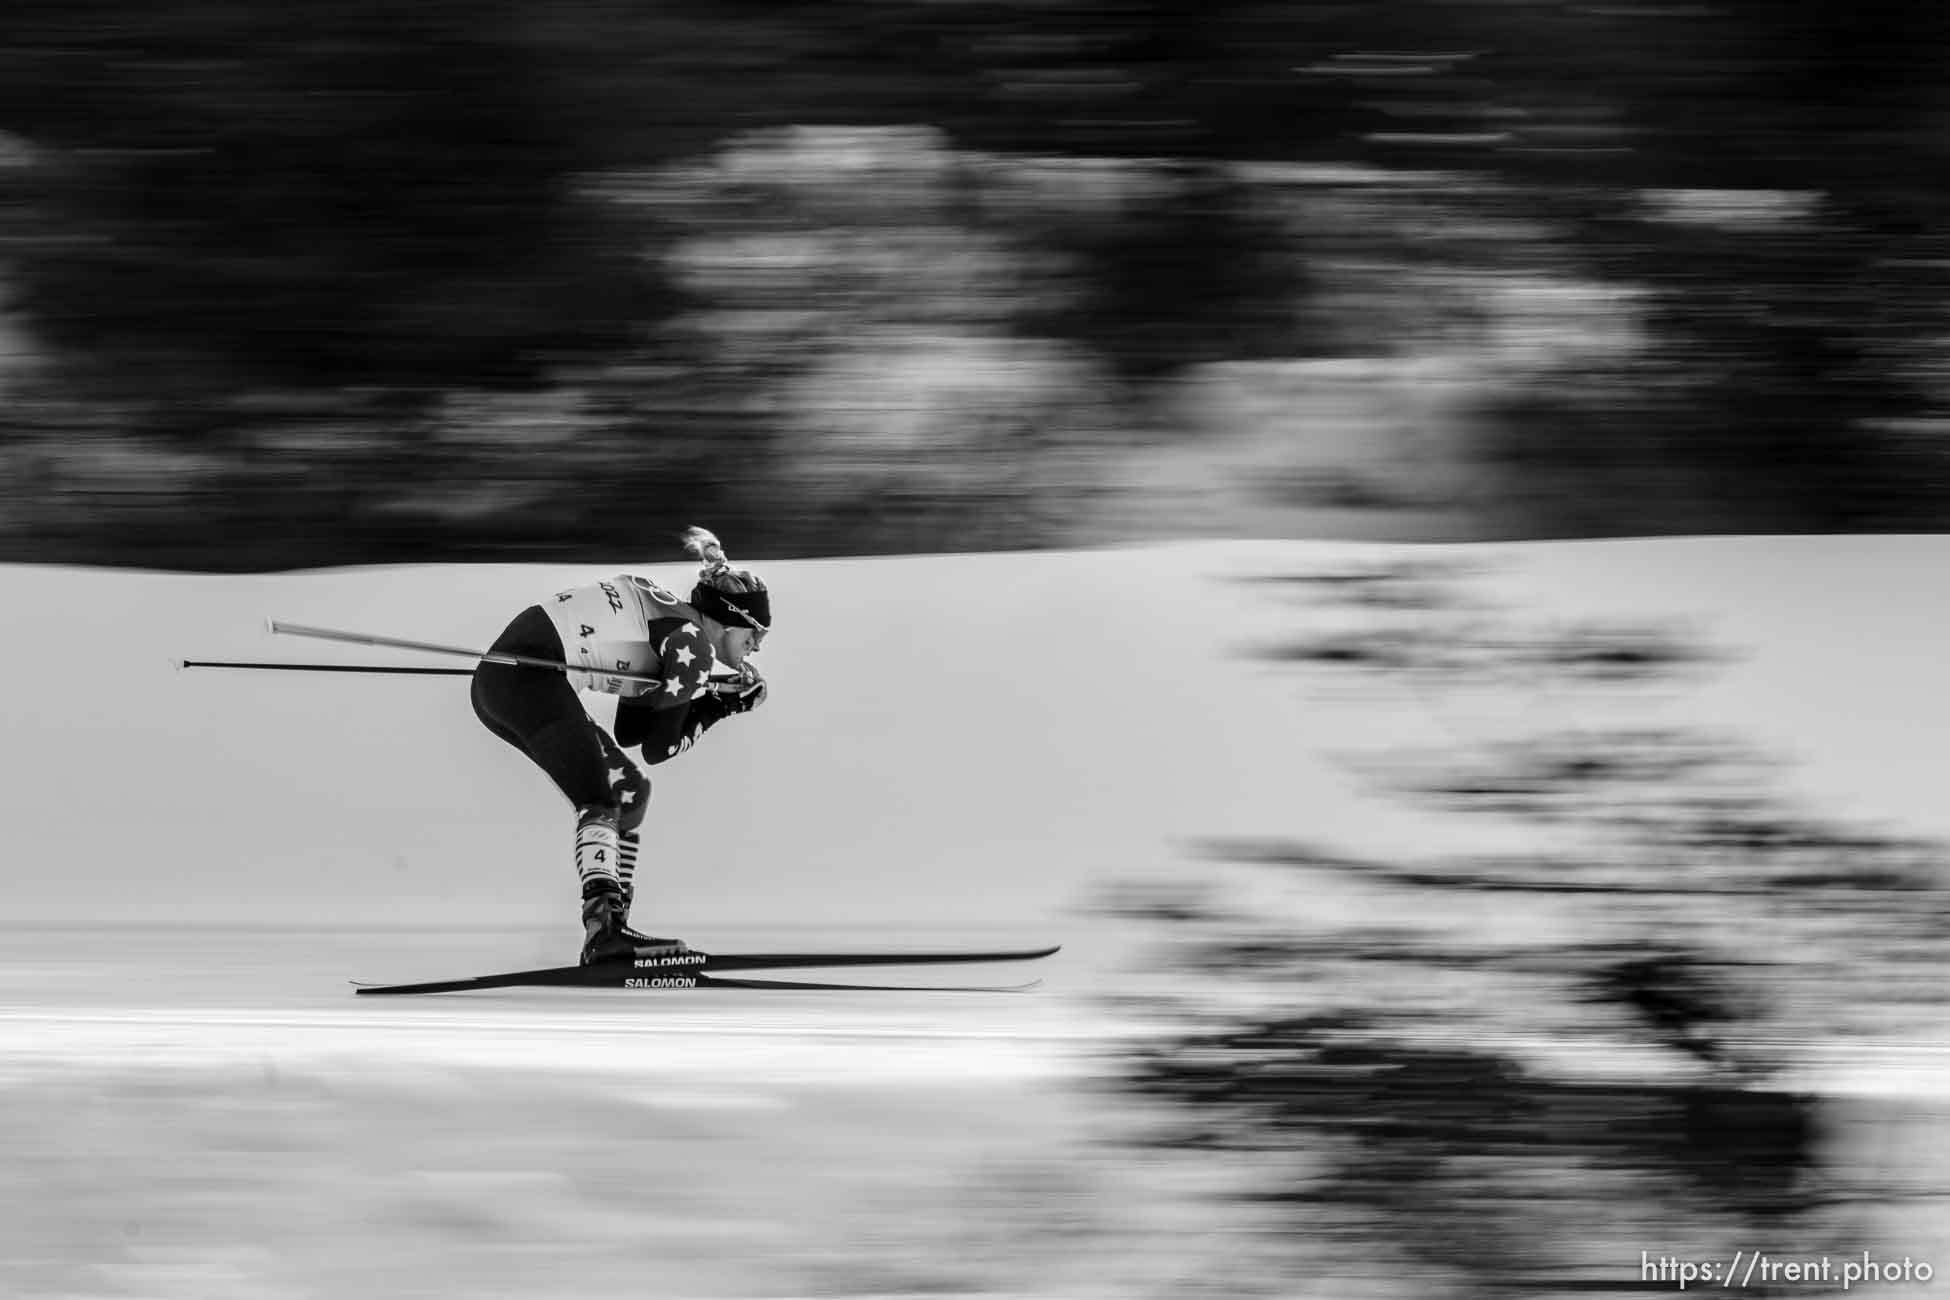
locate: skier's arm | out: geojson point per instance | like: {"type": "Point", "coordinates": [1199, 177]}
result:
{"type": "Point", "coordinates": [679, 663]}
{"type": "Point", "coordinates": [666, 733]}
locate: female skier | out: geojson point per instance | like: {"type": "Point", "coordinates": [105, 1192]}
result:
{"type": "Point", "coordinates": [631, 625]}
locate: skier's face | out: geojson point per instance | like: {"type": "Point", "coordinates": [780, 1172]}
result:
{"type": "Point", "coordinates": [735, 643]}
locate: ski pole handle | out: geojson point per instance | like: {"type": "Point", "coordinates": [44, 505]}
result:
{"type": "Point", "coordinates": [719, 683]}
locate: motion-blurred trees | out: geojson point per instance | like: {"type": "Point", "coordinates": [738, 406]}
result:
{"type": "Point", "coordinates": [1509, 1067]}
{"type": "Point", "coordinates": [217, 215]}
{"type": "Point", "coordinates": [314, 194]}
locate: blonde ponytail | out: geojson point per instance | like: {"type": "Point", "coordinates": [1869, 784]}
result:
{"type": "Point", "coordinates": [704, 544]}
{"type": "Point", "coordinates": [718, 582]}
{"type": "Point", "coordinates": [717, 571]}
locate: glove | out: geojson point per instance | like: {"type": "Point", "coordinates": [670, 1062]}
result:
{"type": "Point", "coordinates": [750, 693]}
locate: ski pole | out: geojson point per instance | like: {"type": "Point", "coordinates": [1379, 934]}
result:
{"type": "Point", "coordinates": [719, 681]}
{"type": "Point", "coordinates": [483, 656]}
{"type": "Point", "coordinates": [326, 668]}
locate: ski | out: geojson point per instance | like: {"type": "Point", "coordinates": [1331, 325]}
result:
{"type": "Point", "coordinates": [597, 978]}
{"type": "Point", "coordinates": [694, 970]}
{"type": "Point", "coordinates": [709, 981]}
{"type": "Point", "coordinates": [781, 960]}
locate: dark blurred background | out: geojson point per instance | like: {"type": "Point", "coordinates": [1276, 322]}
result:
{"type": "Point", "coordinates": [346, 282]}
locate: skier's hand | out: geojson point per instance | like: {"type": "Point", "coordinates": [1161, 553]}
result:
{"type": "Point", "coordinates": [750, 693]}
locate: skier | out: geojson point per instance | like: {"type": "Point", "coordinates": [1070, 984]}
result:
{"type": "Point", "coordinates": [631, 625]}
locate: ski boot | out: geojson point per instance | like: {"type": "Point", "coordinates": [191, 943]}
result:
{"type": "Point", "coordinates": [606, 931]}
{"type": "Point", "coordinates": [607, 935]}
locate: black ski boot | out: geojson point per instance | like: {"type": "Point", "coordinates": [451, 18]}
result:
{"type": "Point", "coordinates": [637, 936]}
{"type": "Point", "coordinates": [606, 933]}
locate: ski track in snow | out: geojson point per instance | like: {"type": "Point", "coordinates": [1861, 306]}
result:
{"type": "Point", "coordinates": [193, 1000]}
{"type": "Point", "coordinates": [88, 1018]}
{"type": "Point", "coordinates": [821, 1043]}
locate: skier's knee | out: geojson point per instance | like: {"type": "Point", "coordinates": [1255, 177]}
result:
{"type": "Point", "coordinates": [632, 795]}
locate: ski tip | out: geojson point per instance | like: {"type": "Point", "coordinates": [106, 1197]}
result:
{"type": "Point", "coordinates": [831, 986]}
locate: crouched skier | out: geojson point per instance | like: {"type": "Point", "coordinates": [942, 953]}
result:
{"type": "Point", "coordinates": [629, 625]}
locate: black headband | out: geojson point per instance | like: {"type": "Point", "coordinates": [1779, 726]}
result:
{"type": "Point", "coordinates": [751, 609]}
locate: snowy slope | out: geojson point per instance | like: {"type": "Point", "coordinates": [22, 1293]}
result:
{"type": "Point", "coordinates": [955, 737]}
{"type": "Point", "coordinates": [969, 744]}
{"type": "Point", "coordinates": [968, 740]}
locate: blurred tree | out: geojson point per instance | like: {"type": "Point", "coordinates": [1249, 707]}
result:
{"type": "Point", "coordinates": [1462, 1086]}
{"type": "Point", "coordinates": [1738, 167]}
{"type": "Point", "coordinates": [322, 193]}
{"type": "Point", "coordinates": [210, 200]}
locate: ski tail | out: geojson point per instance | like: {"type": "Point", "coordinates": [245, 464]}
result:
{"type": "Point", "coordinates": [547, 977]}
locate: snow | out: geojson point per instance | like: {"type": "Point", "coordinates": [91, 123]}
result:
{"type": "Point", "coordinates": [956, 749]}
{"type": "Point", "coordinates": [956, 739]}
{"type": "Point", "coordinates": [962, 739]}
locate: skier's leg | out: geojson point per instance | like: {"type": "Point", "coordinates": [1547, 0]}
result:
{"type": "Point", "coordinates": [539, 713]}
{"type": "Point", "coordinates": [630, 789]}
